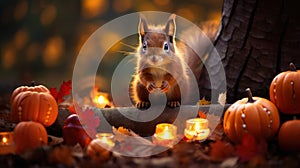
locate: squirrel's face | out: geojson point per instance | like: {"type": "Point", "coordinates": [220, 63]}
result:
{"type": "Point", "coordinates": [157, 44]}
{"type": "Point", "coordinates": [157, 48]}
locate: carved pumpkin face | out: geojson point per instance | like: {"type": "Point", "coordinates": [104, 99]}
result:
{"type": "Point", "coordinates": [255, 115]}
{"type": "Point", "coordinates": [289, 136]}
{"type": "Point", "coordinates": [285, 91]}
{"type": "Point", "coordinates": [29, 135]}
{"type": "Point", "coordinates": [33, 103]}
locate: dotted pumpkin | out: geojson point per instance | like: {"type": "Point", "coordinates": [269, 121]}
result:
{"type": "Point", "coordinates": [254, 115]}
{"type": "Point", "coordinates": [285, 91]}
{"type": "Point", "coordinates": [33, 103]}
{"type": "Point", "coordinates": [289, 136]}
{"type": "Point", "coordinates": [29, 135]}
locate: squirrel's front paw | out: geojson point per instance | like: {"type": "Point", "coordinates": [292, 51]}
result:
{"type": "Point", "coordinates": [143, 105]}
{"type": "Point", "coordinates": [164, 86]}
{"type": "Point", "coordinates": [151, 86]}
{"type": "Point", "coordinates": [173, 104]}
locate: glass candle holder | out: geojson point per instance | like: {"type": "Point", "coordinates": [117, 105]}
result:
{"type": "Point", "coordinates": [7, 144]}
{"type": "Point", "coordinates": [107, 140]}
{"type": "Point", "coordinates": [165, 135]}
{"type": "Point", "coordinates": [196, 129]}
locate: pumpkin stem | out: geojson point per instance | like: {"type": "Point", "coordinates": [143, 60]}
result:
{"type": "Point", "coordinates": [32, 83]}
{"type": "Point", "coordinates": [250, 97]}
{"type": "Point", "coordinates": [293, 67]}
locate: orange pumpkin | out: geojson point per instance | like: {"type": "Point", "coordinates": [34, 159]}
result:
{"type": "Point", "coordinates": [29, 135]}
{"type": "Point", "coordinates": [34, 103]}
{"type": "Point", "coordinates": [96, 152]}
{"type": "Point", "coordinates": [289, 136]}
{"type": "Point", "coordinates": [254, 115]}
{"type": "Point", "coordinates": [285, 91]}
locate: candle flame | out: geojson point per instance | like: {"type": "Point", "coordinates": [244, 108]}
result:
{"type": "Point", "coordinates": [100, 98]}
{"type": "Point", "coordinates": [4, 140]}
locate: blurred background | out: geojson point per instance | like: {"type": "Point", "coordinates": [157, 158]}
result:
{"type": "Point", "coordinates": [40, 39]}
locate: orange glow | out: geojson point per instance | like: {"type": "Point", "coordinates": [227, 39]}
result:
{"type": "Point", "coordinates": [122, 5]}
{"type": "Point", "coordinates": [187, 13]}
{"type": "Point", "coordinates": [92, 8]}
{"type": "Point", "coordinates": [106, 139]}
{"type": "Point", "coordinates": [162, 2]}
{"type": "Point", "coordinates": [21, 38]}
{"type": "Point", "coordinates": [48, 15]}
{"type": "Point", "coordinates": [196, 129]}
{"type": "Point", "coordinates": [100, 99]}
{"type": "Point", "coordinates": [4, 140]}
{"type": "Point", "coordinates": [8, 57]}
{"type": "Point", "coordinates": [21, 10]}
{"type": "Point", "coordinates": [53, 51]}
{"type": "Point", "coordinates": [165, 134]}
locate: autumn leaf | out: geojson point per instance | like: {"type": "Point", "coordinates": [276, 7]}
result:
{"type": "Point", "coordinates": [64, 90]}
{"type": "Point", "coordinates": [54, 92]}
{"type": "Point", "coordinates": [221, 150]}
{"type": "Point", "coordinates": [201, 114]}
{"type": "Point", "coordinates": [88, 119]}
{"type": "Point", "coordinates": [203, 101]}
{"type": "Point", "coordinates": [250, 148]}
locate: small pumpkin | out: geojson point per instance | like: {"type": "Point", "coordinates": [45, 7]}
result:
{"type": "Point", "coordinates": [96, 152]}
{"type": "Point", "coordinates": [285, 91]}
{"type": "Point", "coordinates": [289, 136]}
{"type": "Point", "coordinates": [74, 133]}
{"type": "Point", "coordinates": [254, 115]}
{"type": "Point", "coordinates": [33, 103]}
{"type": "Point", "coordinates": [29, 135]}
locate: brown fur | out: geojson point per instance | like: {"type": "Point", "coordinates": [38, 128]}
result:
{"type": "Point", "coordinates": [157, 69]}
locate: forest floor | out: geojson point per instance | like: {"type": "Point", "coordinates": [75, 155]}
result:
{"type": "Point", "coordinates": [216, 151]}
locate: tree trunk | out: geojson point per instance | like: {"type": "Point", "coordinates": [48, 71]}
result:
{"type": "Point", "coordinates": [257, 39]}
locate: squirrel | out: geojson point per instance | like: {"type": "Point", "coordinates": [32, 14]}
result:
{"type": "Point", "coordinates": [162, 63]}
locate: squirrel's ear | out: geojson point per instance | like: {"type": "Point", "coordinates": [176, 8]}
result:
{"type": "Point", "coordinates": [170, 27]}
{"type": "Point", "coordinates": [143, 27]}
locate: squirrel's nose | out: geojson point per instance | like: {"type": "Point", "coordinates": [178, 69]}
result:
{"type": "Point", "coordinates": [154, 59]}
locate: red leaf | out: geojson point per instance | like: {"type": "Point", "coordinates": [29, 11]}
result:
{"type": "Point", "coordinates": [250, 148]}
{"type": "Point", "coordinates": [221, 150]}
{"type": "Point", "coordinates": [64, 90]}
{"type": "Point", "coordinates": [88, 119]}
{"type": "Point", "coordinates": [54, 93]}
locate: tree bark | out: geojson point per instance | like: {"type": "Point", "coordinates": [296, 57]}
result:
{"type": "Point", "coordinates": [257, 39]}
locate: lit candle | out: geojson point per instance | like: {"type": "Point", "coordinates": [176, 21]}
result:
{"type": "Point", "coordinates": [107, 140]}
{"type": "Point", "coordinates": [165, 134]}
{"type": "Point", "coordinates": [196, 129]}
{"type": "Point", "coordinates": [7, 144]}
{"type": "Point", "coordinates": [100, 99]}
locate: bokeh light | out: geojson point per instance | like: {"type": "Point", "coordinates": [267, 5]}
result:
{"type": "Point", "coordinates": [41, 38]}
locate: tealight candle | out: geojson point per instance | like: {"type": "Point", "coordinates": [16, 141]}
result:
{"type": "Point", "coordinates": [107, 140]}
{"type": "Point", "coordinates": [196, 129]}
{"type": "Point", "coordinates": [165, 134]}
{"type": "Point", "coordinates": [7, 144]}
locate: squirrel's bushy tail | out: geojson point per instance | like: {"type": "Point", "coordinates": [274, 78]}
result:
{"type": "Point", "coordinates": [196, 46]}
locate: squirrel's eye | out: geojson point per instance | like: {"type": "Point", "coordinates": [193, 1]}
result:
{"type": "Point", "coordinates": [166, 46]}
{"type": "Point", "coordinates": [144, 45]}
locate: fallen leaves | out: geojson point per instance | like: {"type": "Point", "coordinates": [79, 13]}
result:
{"type": "Point", "coordinates": [88, 119]}
{"type": "Point", "coordinates": [250, 148]}
{"type": "Point", "coordinates": [64, 90]}
{"type": "Point", "coordinates": [221, 150]}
